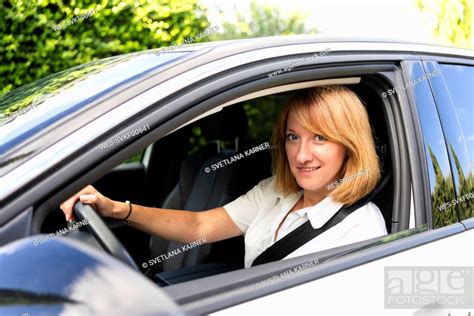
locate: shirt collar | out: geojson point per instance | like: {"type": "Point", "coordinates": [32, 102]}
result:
{"type": "Point", "coordinates": [320, 213]}
{"type": "Point", "coordinates": [290, 200]}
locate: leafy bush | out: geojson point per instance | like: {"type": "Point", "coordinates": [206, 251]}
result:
{"type": "Point", "coordinates": [459, 207]}
{"type": "Point", "coordinates": [46, 36]}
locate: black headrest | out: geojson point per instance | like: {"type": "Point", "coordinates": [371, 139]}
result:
{"type": "Point", "coordinates": [229, 123]}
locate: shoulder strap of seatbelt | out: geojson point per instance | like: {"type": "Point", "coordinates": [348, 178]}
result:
{"type": "Point", "coordinates": [305, 232]}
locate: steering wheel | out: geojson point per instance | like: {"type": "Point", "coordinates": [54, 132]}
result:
{"type": "Point", "coordinates": [103, 234]}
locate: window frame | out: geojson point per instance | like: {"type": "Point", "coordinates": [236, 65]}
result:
{"type": "Point", "coordinates": [191, 292]}
{"type": "Point", "coordinates": [179, 293]}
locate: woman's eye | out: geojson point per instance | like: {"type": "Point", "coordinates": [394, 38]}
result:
{"type": "Point", "coordinates": [291, 137]}
{"type": "Point", "coordinates": [320, 138]}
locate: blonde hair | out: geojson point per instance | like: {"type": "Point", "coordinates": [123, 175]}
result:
{"type": "Point", "coordinates": [336, 113]}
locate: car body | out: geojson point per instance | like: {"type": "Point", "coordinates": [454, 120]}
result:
{"type": "Point", "coordinates": [175, 108]}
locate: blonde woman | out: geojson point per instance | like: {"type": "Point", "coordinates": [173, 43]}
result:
{"type": "Point", "coordinates": [323, 135]}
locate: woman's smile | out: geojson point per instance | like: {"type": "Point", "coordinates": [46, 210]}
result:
{"type": "Point", "coordinates": [307, 170]}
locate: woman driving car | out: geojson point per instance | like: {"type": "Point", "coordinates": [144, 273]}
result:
{"type": "Point", "coordinates": [323, 158]}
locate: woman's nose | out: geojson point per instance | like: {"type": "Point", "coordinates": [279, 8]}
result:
{"type": "Point", "coordinates": [304, 154]}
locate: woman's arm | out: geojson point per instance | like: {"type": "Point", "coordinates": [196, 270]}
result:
{"type": "Point", "coordinates": [181, 226]}
{"type": "Point", "coordinates": [178, 225]}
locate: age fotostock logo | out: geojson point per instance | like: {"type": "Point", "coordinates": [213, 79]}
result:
{"type": "Point", "coordinates": [436, 287]}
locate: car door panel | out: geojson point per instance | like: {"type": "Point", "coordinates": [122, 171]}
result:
{"type": "Point", "coordinates": [360, 290]}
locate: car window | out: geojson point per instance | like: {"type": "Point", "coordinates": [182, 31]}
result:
{"type": "Point", "coordinates": [219, 158]}
{"type": "Point", "coordinates": [173, 176]}
{"type": "Point", "coordinates": [439, 172]}
{"type": "Point", "coordinates": [454, 96]}
{"type": "Point", "coordinates": [32, 108]}
{"type": "Point", "coordinates": [208, 164]}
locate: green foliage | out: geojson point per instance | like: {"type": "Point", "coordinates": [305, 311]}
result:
{"type": "Point", "coordinates": [30, 48]}
{"type": "Point", "coordinates": [466, 186]}
{"type": "Point", "coordinates": [264, 20]}
{"type": "Point", "coordinates": [135, 158]}
{"type": "Point", "coordinates": [262, 118]}
{"type": "Point", "coordinates": [454, 23]}
{"type": "Point", "coordinates": [444, 192]}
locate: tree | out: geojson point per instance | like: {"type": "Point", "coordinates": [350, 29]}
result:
{"type": "Point", "coordinates": [442, 193]}
{"type": "Point", "coordinates": [264, 20]}
{"type": "Point", "coordinates": [454, 20]}
{"type": "Point", "coordinates": [465, 189]}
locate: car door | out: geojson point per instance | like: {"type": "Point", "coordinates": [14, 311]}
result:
{"type": "Point", "coordinates": [437, 261]}
{"type": "Point", "coordinates": [197, 92]}
{"type": "Point", "coordinates": [375, 267]}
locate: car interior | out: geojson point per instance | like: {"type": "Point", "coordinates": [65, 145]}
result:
{"type": "Point", "coordinates": [174, 173]}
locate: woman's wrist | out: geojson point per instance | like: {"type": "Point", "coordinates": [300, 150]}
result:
{"type": "Point", "coordinates": [119, 210]}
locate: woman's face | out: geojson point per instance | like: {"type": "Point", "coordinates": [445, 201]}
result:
{"type": "Point", "coordinates": [314, 161]}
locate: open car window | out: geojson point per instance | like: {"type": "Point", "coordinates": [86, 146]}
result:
{"type": "Point", "coordinates": [206, 164]}
{"type": "Point", "coordinates": [218, 158]}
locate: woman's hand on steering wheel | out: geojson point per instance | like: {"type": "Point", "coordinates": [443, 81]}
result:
{"type": "Point", "coordinates": [89, 195]}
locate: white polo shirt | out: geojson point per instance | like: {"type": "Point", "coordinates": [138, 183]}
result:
{"type": "Point", "coordinates": [259, 212]}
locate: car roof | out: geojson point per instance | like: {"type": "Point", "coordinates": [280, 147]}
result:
{"type": "Point", "coordinates": [347, 43]}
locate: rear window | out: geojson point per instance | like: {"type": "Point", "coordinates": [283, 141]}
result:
{"type": "Point", "coordinates": [459, 131]}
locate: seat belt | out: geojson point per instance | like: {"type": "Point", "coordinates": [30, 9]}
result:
{"type": "Point", "coordinates": [306, 232]}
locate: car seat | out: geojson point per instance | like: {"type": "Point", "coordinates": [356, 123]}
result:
{"type": "Point", "coordinates": [201, 188]}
